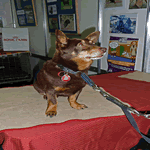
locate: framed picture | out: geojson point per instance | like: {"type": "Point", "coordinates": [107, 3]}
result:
{"type": "Point", "coordinates": [53, 23]}
{"type": "Point", "coordinates": [67, 22]}
{"type": "Point", "coordinates": [52, 10]}
{"type": "Point", "coordinates": [123, 24]}
{"type": "Point", "coordinates": [138, 4]}
{"type": "Point", "coordinates": [66, 4]}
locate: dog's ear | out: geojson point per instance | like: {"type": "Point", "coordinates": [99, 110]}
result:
{"type": "Point", "coordinates": [61, 37]}
{"type": "Point", "coordinates": [93, 37]}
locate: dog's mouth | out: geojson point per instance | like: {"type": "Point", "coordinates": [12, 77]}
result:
{"type": "Point", "coordinates": [96, 57]}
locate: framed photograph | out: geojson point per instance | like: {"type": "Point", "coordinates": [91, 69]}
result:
{"type": "Point", "coordinates": [66, 4]}
{"type": "Point", "coordinates": [122, 54]}
{"type": "Point", "coordinates": [53, 23]}
{"type": "Point", "coordinates": [67, 22]}
{"type": "Point", "coordinates": [30, 16]}
{"type": "Point", "coordinates": [52, 9]}
{"type": "Point", "coordinates": [123, 24]}
{"type": "Point", "coordinates": [138, 4]}
{"type": "Point", "coordinates": [18, 4]}
{"type": "Point", "coordinates": [21, 20]}
{"type": "Point", "coordinates": [113, 3]}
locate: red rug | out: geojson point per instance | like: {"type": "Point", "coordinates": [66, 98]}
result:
{"type": "Point", "coordinates": [108, 133]}
{"type": "Point", "coordinates": [104, 133]}
{"type": "Point", "coordinates": [136, 93]}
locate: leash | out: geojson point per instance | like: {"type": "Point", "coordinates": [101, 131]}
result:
{"type": "Point", "coordinates": [128, 110]}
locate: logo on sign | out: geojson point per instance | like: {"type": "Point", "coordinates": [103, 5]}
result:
{"type": "Point", "coordinates": [15, 38]}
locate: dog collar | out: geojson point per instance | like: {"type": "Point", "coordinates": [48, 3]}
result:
{"type": "Point", "coordinates": [83, 75]}
{"type": "Point", "coordinates": [67, 69]}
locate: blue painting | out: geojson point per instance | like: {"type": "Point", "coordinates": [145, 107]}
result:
{"type": "Point", "coordinates": [124, 24]}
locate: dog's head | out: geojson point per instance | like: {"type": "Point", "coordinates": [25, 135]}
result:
{"type": "Point", "coordinates": [78, 54]}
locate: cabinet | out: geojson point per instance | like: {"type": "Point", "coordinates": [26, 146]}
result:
{"type": "Point", "coordinates": [15, 67]}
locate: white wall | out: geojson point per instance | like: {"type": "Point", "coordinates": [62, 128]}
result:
{"type": "Point", "coordinates": [89, 14]}
{"type": "Point", "coordinates": [5, 13]}
{"type": "Point", "coordinates": [141, 22]}
{"type": "Point", "coordinates": [88, 17]}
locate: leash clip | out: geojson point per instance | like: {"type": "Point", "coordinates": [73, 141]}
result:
{"type": "Point", "coordinates": [147, 116]}
{"type": "Point", "coordinates": [96, 88]}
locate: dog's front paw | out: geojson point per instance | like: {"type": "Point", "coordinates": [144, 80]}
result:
{"type": "Point", "coordinates": [78, 106]}
{"type": "Point", "coordinates": [51, 113]}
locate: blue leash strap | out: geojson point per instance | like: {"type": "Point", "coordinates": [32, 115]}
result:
{"type": "Point", "coordinates": [130, 118]}
{"type": "Point", "coordinates": [87, 79]}
{"type": "Point", "coordinates": [125, 108]}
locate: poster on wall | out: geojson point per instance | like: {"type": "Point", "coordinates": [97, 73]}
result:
{"type": "Point", "coordinates": [122, 54]}
{"type": "Point", "coordinates": [63, 15]}
{"type": "Point", "coordinates": [67, 22]}
{"type": "Point", "coordinates": [123, 24]}
{"type": "Point", "coordinates": [137, 4]}
{"type": "Point", "coordinates": [113, 3]}
{"type": "Point", "coordinates": [25, 12]}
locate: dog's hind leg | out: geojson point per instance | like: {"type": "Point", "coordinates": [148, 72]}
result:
{"type": "Point", "coordinates": [72, 100]}
{"type": "Point", "coordinates": [51, 104]}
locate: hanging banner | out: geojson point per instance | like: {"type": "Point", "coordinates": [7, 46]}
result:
{"type": "Point", "coordinates": [122, 54]}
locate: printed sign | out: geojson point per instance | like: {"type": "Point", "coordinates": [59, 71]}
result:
{"type": "Point", "coordinates": [15, 39]}
{"type": "Point", "coordinates": [122, 54]}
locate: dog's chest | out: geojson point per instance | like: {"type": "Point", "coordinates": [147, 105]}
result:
{"type": "Point", "coordinates": [69, 87]}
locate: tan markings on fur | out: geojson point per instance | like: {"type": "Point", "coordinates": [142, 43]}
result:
{"type": "Point", "coordinates": [60, 88]}
{"type": "Point", "coordinates": [62, 45]}
{"type": "Point", "coordinates": [83, 41]}
{"type": "Point", "coordinates": [51, 109]}
{"type": "Point", "coordinates": [63, 39]}
{"type": "Point", "coordinates": [74, 104]}
{"type": "Point", "coordinates": [94, 51]}
{"type": "Point", "coordinates": [73, 53]}
{"type": "Point", "coordinates": [90, 42]}
{"type": "Point", "coordinates": [82, 63]}
{"type": "Point", "coordinates": [83, 54]}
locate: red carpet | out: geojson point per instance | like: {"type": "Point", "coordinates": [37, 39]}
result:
{"type": "Point", "coordinates": [136, 93]}
{"type": "Point", "coordinates": [109, 133]}
{"type": "Point", "coordinates": [104, 133]}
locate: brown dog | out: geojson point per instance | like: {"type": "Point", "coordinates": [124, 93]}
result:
{"type": "Point", "coordinates": [75, 54]}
